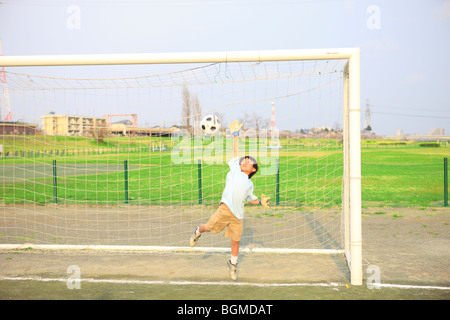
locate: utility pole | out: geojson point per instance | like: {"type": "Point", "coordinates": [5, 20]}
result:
{"type": "Point", "coordinates": [368, 117]}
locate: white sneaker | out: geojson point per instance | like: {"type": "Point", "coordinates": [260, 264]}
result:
{"type": "Point", "coordinates": [233, 270]}
{"type": "Point", "coordinates": [194, 238]}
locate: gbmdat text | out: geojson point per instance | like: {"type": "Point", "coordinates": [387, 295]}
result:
{"type": "Point", "coordinates": [245, 309]}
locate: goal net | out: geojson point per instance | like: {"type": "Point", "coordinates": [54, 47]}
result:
{"type": "Point", "coordinates": [116, 156]}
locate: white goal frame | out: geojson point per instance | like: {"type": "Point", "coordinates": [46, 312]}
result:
{"type": "Point", "coordinates": [351, 204]}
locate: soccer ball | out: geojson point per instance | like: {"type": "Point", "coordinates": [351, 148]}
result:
{"type": "Point", "coordinates": [210, 125]}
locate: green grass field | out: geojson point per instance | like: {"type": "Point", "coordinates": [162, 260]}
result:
{"type": "Point", "coordinates": [404, 176]}
{"type": "Point", "coordinates": [393, 174]}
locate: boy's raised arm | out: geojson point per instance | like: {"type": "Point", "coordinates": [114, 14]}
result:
{"type": "Point", "coordinates": [264, 201]}
{"type": "Point", "coordinates": [234, 128]}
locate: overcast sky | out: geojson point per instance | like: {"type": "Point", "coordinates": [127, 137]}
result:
{"type": "Point", "coordinates": [405, 44]}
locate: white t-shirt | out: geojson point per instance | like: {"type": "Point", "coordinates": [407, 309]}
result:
{"type": "Point", "coordinates": [238, 189]}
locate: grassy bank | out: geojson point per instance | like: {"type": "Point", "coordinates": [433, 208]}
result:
{"type": "Point", "coordinates": [89, 172]}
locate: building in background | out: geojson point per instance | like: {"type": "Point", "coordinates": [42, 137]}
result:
{"type": "Point", "coordinates": [18, 128]}
{"type": "Point", "coordinates": [436, 132]}
{"type": "Point", "coordinates": [64, 125]}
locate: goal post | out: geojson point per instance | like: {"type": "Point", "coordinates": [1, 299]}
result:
{"type": "Point", "coordinates": [354, 149]}
{"type": "Point", "coordinates": [351, 150]}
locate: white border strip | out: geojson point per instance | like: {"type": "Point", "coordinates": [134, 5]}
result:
{"type": "Point", "coordinates": [219, 283]}
{"type": "Point", "coordinates": [163, 248]}
{"type": "Point", "coordinates": [407, 286]}
{"type": "Point", "coordinates": [176, 283]}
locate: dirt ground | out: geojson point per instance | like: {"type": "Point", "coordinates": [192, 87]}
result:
{"type": "Point", "coordinates": [409, 246]}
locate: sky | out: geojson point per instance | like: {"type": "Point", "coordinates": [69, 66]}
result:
{"type": "Point", "coordinates": [405, 44]}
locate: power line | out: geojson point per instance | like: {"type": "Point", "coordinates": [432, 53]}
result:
{"type": "Point", "coordinates": [410, 115]}
{"type": "Point", "coordinates": [411, 109]}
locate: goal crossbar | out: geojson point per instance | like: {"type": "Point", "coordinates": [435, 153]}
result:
{"type": "Point", "coordinates": [351, 137]}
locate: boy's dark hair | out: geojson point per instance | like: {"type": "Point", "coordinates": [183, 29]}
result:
{"type": "Point", "coordinates": [255, 165]}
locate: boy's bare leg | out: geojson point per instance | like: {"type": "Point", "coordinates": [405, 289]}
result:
{"type": "Point", "coordinates": [232, 263]}
{"type": "Point", "coordinates": [203, 228]}
{"type": "Point", "coordinates": [234, 248]}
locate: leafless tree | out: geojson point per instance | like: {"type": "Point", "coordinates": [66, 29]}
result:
{"type": "Point", "coordinates": [245, 120]}
{"type": "Point", "coordinates": [186, 108]}
{"type": "Point", "coordinates": [221, 117]}
{"type": "Point", "coordinates": [253, 121]}
{"type": "Point", "coordinates": [190, 110]}
{"type": "Point", "coordinates": [196, 109]}
{"type": "Point", "coordinates": [98, 133]}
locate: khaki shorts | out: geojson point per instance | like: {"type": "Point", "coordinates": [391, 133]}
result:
{"type": "Point", "coordinates": [224, 218]}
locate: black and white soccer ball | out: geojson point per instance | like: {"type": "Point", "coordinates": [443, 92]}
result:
{"type": "Point", "coordinates": [210, 125]}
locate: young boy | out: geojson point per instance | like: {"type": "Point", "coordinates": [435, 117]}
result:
{"type": "Point", "coordinates": [230, 214]}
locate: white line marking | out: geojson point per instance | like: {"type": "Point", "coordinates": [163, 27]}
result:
{"type": "Point", "coordinates": [407, 286]}
{"type": "Point", "coordinates": [226, 283]}
{"type": "Point", "coordinates": [163, 248]}
{"type": "Point", "coordinates": [180, 282]}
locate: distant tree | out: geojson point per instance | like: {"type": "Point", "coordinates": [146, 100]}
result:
{"type": "Point", "coordinates": [190, 109]}
{"type": "Point", "coordinates": [186, 108]}
{"type": "Point", "coordinates": [221, 117]}
{"type": "Point", "coordinates": [254, 121]}
{"type": "Point", "coordinates": [98, 133]}
{"type": "Point", "coordinates": [196, 109]}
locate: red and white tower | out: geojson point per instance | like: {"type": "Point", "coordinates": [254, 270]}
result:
{"type": "Point", "coordinates": [274, 133]}
{"type": "Point", "coordinates": [273, 124]}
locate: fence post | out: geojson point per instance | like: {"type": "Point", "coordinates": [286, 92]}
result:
{"type": "Point", "coordinates": [277, 195]}
{"type": "Point", "coordinates": [200, 196]}
{"type": "Point", "coordinates": [55, 188]}
{"type": "Point", "coordinates": [445, 182]}
{"type": "Point", "coordinates": [125, 167]}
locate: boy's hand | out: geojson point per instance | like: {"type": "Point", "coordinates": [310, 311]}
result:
{"type": "Point", "coordinates": [235, 126]}
{"type": "Point", "coordinates": [265, 200]}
